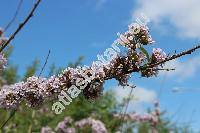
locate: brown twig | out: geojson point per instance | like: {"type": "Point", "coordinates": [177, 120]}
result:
{"type": "Point", "coordinates": [15, 16]}
{"type": "Point", "coordinates": [21, 25]}
{"type": "Point", "coordinates": [165, 69]}
{"type": "Point", "coordinates": [45, 63]}
{"type": "Point", "coordinates": [11, 115]}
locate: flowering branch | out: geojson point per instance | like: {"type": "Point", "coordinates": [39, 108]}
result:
{"type": "Point", "coordinates": [36, 90]}
{"type": "Point", "coordinates": [21, 26]}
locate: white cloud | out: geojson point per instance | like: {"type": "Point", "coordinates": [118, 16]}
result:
{"type": "Point", "coordinates": [179, 89]}
{"type": "Point", "coordinates": [182, 14]}
{"type": "Point", "coordinates": [183, 70]}
{"type": "Point", "coordinates": [141, 96]}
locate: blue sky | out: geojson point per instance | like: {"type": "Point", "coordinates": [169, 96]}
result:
{"type": "Point", "coordinates": [87, 27]}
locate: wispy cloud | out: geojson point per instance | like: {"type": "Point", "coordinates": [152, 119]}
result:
{"type": "Point", "coordinates": [182, 14]}
{"type": "Point", "coordinates": [179, 89]}
{"type": "Point", "coordinates": [140, 96]}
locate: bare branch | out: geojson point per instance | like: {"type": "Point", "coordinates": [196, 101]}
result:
{"type": "Point", "coordinates": [21, 25]}
{"type": "Point", "coordinates": [15, 16]}
{"type": "Point", "coordinates": [45, 63]}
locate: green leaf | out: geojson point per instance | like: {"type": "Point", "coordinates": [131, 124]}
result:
{"type": "Point", "coordinates": [145, 53]}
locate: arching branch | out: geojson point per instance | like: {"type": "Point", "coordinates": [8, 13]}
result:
{"type": "Point", "coordinates": [36, 90]}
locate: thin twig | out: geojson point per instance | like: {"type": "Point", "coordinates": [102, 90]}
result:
{"type": "Point", "coordinates": [128, 101]}
{"type": "Point", "coordinates": [165, 69]}
{"type": "Point", "coordinates": [11, 115]}
{"type": "Point", "coordinates": [45, 63]}
{"type": "Point", "coordinates": [15, 16]}
{"type": "Point", "coordinates": [21, 25]}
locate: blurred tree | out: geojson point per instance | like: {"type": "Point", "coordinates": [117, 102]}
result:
{"type": "Point", "coordinates": [32, 69]}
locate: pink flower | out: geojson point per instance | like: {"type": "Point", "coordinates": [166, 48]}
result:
{"type": "Point", "coordinates": [3, 61]}
{"type": "Point", "coordinates": [159, 55]}
{"type": "Point", "coordinates": [46, 130]}
{"type": "Point", "coordinates": [97, 126]}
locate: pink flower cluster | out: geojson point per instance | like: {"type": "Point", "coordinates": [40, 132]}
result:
{"type": "Point", "coordinates": [97, 125]}
{"type": "Point", "coordinates": [135, 37]}
{"type": "Point", "coordinates": [47, 130]}
{"type": "Point", "coordinates": [152, 117]}
{"type": "Point", "coordinates": [36, 90]}
{"type": "Point", "coordinates": [33, 91]}
{"type": "Point", "coordinates": [64, 126]}
{"type": "Point", "coordinates": [158, 55]}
